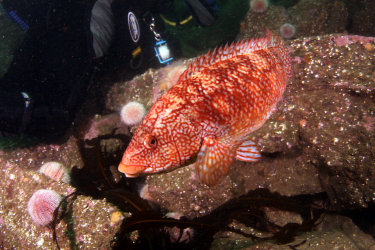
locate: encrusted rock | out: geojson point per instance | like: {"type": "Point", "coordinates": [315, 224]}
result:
{"type": "Point", "coordinates": [87, 225]}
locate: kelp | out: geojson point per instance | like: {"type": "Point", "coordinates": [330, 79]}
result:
{"type": "Point", "coordinates": [247, 209]}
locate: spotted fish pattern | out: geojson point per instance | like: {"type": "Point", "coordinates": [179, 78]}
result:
{"type": "Point", "coordinates": [209, 114]}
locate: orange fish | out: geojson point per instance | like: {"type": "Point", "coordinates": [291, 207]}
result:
{"type": "Point", "coordinates": [209, 114]}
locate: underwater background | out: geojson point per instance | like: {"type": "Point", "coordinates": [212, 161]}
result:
{"type": "Point", "coordinates": [314, 187]}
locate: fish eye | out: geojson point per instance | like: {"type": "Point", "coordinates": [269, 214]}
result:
{"type": "Point", "coordinates": [151, 142]}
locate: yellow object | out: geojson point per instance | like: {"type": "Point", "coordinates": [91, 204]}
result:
{"type": "Point", "coordinates": [136, 52]}
{"type": "Point", "coordinates": [163, 86]}
{"type": "Point", "coordinates": [369, 46]}
{"type": "Point", "coordinates": [174, 23]}
{"type": "Point", "coordinates": [116, 217]}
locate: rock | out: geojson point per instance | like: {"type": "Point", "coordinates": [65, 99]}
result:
{"type": "Point", "coordinates": [346, 225]}
{"type": "Point", "coordinates": [331, 94]}
{"type": "Point", "coordinates": [280, 217]}
{"type": "Point", "coordinates": [105, 125]}
{"type": "Point", "coordinates": [111, 146]}
{"type": "Point", "coordinates": [329, 240]}
{"type": "Point", "coordinates": [180, 191]}
{"type": "Point", "coordinates": [139, 89]}
{"type": "Point", "coordinates": [335, 232]}
{"type": "Point", "coordinates": [33, 157]}
{"type": "Point", "coordinates": [310, 17]}
{"type": "Point", "coordinates": [94, 223]}
{"type": "Point", "coordinates": [89, 220]}
{"type": "Point", "coordinates": [255, 23]}
{"type": "Point", "coordinates": [318, 17]}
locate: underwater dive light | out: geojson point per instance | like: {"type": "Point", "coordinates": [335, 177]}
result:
{"type": "Point", "coordinates": [162, 52]}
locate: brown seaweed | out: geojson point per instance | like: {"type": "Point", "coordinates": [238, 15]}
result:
{"type": "Point", "coordinates": [246, 209]}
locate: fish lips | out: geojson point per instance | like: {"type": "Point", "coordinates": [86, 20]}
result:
{"type": "Point", "coordinates": [131, 171]}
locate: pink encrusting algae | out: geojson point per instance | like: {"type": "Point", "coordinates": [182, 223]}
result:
{"type": "Point", "coordinates": [42, 205]}
{"type": "Point", "coordinates": [218, 102]}
{"type": "Point", "coordinates": [168, 76]}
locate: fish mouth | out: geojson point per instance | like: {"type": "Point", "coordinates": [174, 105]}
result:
{"type": "Point", "coordinates": [131, 171]}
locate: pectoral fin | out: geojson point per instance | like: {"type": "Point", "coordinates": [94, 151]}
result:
{"type": "Point", "coordinates": [248, 151]}
{"type": "Point", "coordinates": [214, 161]}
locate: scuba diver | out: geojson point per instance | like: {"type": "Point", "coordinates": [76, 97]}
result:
{"type": "Point", "coordinates": [66, 41]}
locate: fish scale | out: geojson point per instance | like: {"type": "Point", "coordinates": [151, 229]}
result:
{"type": "Point", "coordinates": [218, 102]}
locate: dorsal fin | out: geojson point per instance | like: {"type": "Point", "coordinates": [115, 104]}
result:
{"type": "Point", "coordinates": [235, 49]}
